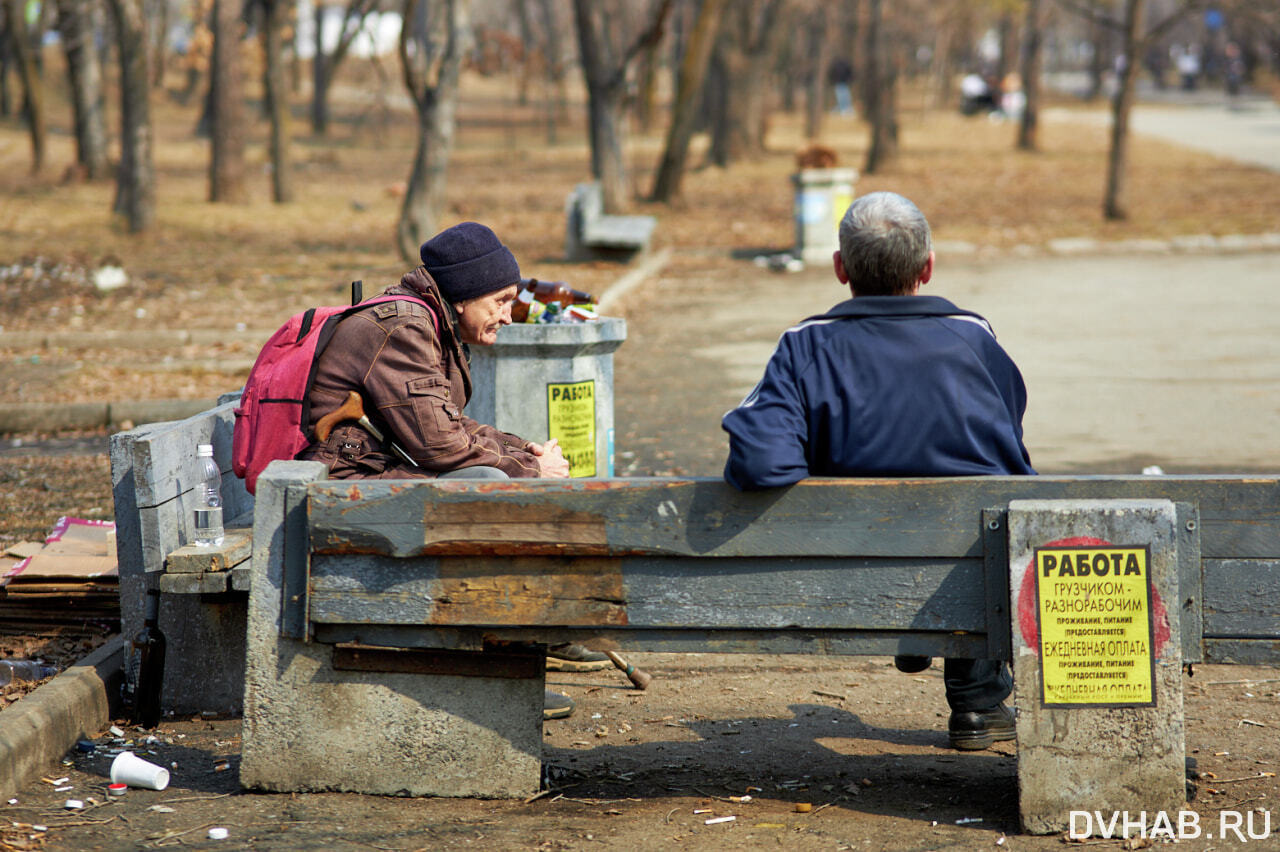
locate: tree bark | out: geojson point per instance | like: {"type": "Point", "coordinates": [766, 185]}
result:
{"type": "Point", "coordinates": [136, 178]}
{"type": "Point", "coordinates": [75, 26]}
{"type": "Point", "coordinates": [557, 97]}
{"type": "Point", "coordinates": [276, 86]}
{"type": "Point", "coordinates": [158, 16]}
{"type": "Point", "coordinates": [226, 164]}
{"type": "Point", "coordinates": [604, 66]}
{"type": "Point", "coordinates": [819, 52]}
{"type": "Point", "coordinates": [879, 80]}
{"type": "Point", "coordinates": [324, 67]}
{"type": "Point", "coordinates": [1030, 73]}
{"type": "Point", "coordinates": [431, 55]}
{"type": "Point", "coordinates": [746, 44]}
{"type": "Point", "coordinates": [19, 42]}
{"type": "Point", "coordinates": [689, 85]}
{"type": "Point", "coordinates": [1115, 205]}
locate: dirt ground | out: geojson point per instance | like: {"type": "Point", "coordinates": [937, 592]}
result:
{"type": "Point", "coordinates": [863, 745]}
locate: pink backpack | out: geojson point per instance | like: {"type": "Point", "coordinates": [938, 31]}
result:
{"type": "Point", "coordinates": [273, 410]}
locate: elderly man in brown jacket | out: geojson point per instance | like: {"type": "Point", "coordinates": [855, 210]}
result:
{"type": "Point", "coordinates": [408, 361]}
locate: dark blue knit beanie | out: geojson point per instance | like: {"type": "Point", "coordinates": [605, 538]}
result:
{"type": "Point", "coordinates": [468, 260]}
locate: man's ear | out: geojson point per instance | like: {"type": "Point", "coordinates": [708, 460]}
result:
{"type": "Point", "coordinates": [927, 272]}
{"type": "Point", "coordinates": [841, 275]}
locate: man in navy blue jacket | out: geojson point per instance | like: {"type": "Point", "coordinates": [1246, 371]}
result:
{"type": "Point", "coordinates": [890, 383]}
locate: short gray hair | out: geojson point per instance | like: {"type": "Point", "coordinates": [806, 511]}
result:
{"type": "Point", "coordinates": [884, 244]}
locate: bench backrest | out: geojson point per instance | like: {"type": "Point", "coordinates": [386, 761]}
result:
{"type": "Point", "coordinates": [859, 562]}
{"type": "Point", "coordinates": [153, 475]}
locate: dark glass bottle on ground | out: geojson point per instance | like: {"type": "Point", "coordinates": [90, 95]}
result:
{"type": "Point", "coordinates": [149, 645]}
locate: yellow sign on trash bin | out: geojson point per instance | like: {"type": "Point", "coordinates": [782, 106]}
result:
{"type": "Point", "coordinates": [1096, 627]}
{"type": "Point", "coordinates": [571, 420]}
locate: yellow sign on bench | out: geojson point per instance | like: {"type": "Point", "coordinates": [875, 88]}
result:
{"type": "Point", "coordinates": [1096, 638]}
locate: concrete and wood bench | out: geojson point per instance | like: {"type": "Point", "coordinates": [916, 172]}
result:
{"type": "Point", "coordinates": [592, 234]}
{"type": "Point", "coordinates": [421, 610]}
{"type": "Point", "coordinates": [204, 590]}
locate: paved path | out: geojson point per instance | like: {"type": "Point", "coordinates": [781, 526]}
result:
{"type": "Point", "coordinates": [1164, 359]}
{"type": "Point", "coordinates": [1247, 130]}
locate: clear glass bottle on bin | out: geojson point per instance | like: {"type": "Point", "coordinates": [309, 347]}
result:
{"type": "Point", "coordinates": [208, 526]}
{"type": "Point", "coordinates": [20, 670]}
{"type": "Point", "coordinates": [149, 648]}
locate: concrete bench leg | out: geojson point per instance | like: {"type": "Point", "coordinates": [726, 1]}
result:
{"type": "Point", "coordinates": [309, 726]}
{"type": "Point", "coordinates": [1087, 636]}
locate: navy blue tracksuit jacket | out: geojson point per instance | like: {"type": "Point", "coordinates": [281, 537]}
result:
{"type": "Point", "coordinates": [881, 386]}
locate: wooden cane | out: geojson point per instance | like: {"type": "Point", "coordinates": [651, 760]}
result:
{"type": "Point", "coordinates": [352, 408]}
{"type": "Point", "coordinates": [637, 676]}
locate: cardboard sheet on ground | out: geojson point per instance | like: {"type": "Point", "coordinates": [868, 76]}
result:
{"type": "Point", "coordinates": [76, 550]}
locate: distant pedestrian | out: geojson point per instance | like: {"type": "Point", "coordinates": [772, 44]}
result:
{"type": "Point", "coordinates": [840, 77]}
{"type": "Point", "coordinates": [1189, 67]}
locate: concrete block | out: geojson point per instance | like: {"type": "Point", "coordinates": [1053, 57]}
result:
{"type": "Point", "coordinates": [1096, 618]}
{"type": "Point", "coordinates": [308, 726]}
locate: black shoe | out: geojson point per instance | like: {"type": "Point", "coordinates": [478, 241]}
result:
{"type": "Point", "coordinates": [575, 658]}
{"type": "Point", "coordinates": [978, 729]}
{"type": "Point", "coordinates": [556, 706]}
{"type": "Point", "coordinates": [912, 663]}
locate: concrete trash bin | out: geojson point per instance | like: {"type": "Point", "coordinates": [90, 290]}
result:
{"type": "Point", "coordinates": [821, 197]}
{"type": "Point", "coordinates": [552, 381]}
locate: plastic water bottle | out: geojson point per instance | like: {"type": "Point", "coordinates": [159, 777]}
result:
{"type": "Point", "coordinates": [208, 499]}
{"type": "Point", "coordinates": [28, 670]}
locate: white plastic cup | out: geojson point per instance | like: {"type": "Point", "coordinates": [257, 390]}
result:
{"type": "Point", "coordinates": [130, 769]}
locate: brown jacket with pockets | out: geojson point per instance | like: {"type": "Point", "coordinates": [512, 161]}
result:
{"type": "Point", "coordinates": [414, 383]}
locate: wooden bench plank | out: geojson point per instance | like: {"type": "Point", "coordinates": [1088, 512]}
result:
{"type": "Point", "coordinates": [194, 584]}
{"type": "Point", "coordinates": [639, 592]}
{"type": "Point", "coordinates": [236, 548]}
{"type": "Point", "coordinates": [1239, 517]}
{"type": "Point", "coordinates": [1242, 598]}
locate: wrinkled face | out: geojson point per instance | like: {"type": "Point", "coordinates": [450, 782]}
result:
{"type": "Point", "coordinates": [480, 318]}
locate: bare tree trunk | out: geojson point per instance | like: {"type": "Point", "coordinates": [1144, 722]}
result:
{"type": "Point", "coordinates": [158, 17]}
{"type": "Point", "coordinates": [746, 44]}
{"type": "Point", "coordinates": [1114, 205]}
{"type": "Point", "coordinates": [136, 179]}
{"type": "Point", "coordinates": [6, 59]}
{"type": "Point", "coordinates": [75, 25]}
{"type": "Point", "coordinates": [526, 41]}
{"type": "Point", "coordinates": [693, 73]}
{"type": "Point", "coordinates": [1030, 73]}
{"type": "Point", "coordinates": [604, 66]}
{"type": "Point", "coordinates": [819, 50]}
{"type": "Point", "coordinates": [431, 56]}
{"type": "Point", "coordinates": [557, 98]}
{"type": "Point", "coordinates": [19, 41]}
{"type": "Point", "coordinates": [275, 83]}
{"type": "Point", "coordinates": [876, 84]}
{"type": "Point", "coordinates": [226, 165]}
{"type": "Point", "coordinates": [647, 92]}
{"type": "Point", "coordinates": [324, 67]}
